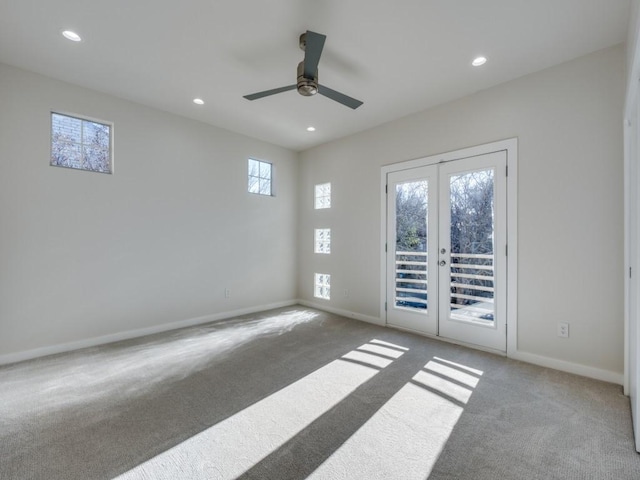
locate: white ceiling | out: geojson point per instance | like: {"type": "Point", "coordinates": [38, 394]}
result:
{"type": "Point", "coordinates": [398, 57]}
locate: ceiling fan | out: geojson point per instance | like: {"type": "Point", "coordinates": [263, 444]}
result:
{"type": "Point", "coordinates": [312, 44]}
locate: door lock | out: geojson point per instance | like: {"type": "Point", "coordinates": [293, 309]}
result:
{"type": "Point", "coordinates": [443, 251]}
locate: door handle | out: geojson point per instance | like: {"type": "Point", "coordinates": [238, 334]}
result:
{"type": "Point", "coordinates": [443, 263]}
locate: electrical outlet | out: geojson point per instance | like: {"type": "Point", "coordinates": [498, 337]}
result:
{"type": "Point", "coordinates": [563, 330]}
{"type": "Point", "coordinates": [227, 293]}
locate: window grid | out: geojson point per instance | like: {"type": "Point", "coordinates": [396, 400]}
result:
{"type": "Point", "coordinates": [322, 286]}
{"type": "Point", "coordinates": [80, 143]}
{"type": "Point", "coordinates": [260, 177]}
{"type": "Point", "coordinates": [322, 240]}
{"type": "Point", "coordinates": [323, 196]}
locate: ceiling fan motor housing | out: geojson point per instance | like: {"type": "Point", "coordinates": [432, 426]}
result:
{"type": "Point", "coordinates": [306, 86]}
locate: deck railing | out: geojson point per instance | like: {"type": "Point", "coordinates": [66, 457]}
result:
{"type": "Point", "coordinates": [472, 281]}
{"type": "Point", "coordinates": [411, 279]}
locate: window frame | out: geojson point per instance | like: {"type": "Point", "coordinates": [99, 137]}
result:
{"type": "Point", "coordinates": [327, 241]}
{"type": "Point", "coordinates": [316, 197]}
{"type": "Point", "coordinates": [83, 119]}
{"type": "Point", "coordinates": [318, 286]}
{"type": "Point", "coordinates": [271, 175]}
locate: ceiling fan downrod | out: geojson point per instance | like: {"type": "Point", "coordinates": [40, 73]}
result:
{"type": "Point", "coordinates": [306, 86]}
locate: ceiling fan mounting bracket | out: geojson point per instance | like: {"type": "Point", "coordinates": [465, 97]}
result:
{"type": "Point", "coordinates": [303, 41]}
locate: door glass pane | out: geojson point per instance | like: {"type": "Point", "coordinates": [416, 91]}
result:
{"type": "Point", "coordinates": [472, 246]}
{"type": "Point", "coordinates": [411, 245]}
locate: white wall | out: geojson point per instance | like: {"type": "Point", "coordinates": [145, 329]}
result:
{"type": "Point", "coordinates": [86, 255]}
{"type": "Point", "coordinates": [570, 219]}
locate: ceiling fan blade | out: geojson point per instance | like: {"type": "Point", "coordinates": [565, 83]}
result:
{"type": "Point", "coordinates": [313, 49]}
{"type": "Point", "coordinates": [273, 91]}
{"type": "Point", "coordinates": [339, 97]}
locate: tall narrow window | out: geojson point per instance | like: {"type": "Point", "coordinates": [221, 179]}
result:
{"type": "Point", "coordinates": [322, 286]}
{"type": "Point", "coordinates": [323, 240]}
{"type": "Point", "coordinates": [81, 143]}
{"type": "Point", "coordinates": [323, 196]}
{"type": "Point", "coordinates": [260, 174]}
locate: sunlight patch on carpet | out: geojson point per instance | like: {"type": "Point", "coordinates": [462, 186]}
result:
{"type": "Point", "coordinates": [231, 447]}
{"type": "Point", "coordinates": [131, 369]}
{"type": "Point", "coordinates": [405, 437]}
{"type": "Point", "coordinates": [453, 373]}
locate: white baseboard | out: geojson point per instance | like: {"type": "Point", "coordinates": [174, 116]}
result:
{"type": "Point", "coordinates": [563, 366]}
{"type": "Point", "coordinates": [139, 332]}
{"type": "Point", "coordinates": [569, 367]}
{"type": "Point", "coordinates": [344, 313]}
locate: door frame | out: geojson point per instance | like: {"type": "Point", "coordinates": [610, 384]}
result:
{"type": "Point", "coordinates": [510, 146]}
{"type": "Point", "coordinates": [631, 376]}
{"type": "Point", "coordinates": [631, 382]}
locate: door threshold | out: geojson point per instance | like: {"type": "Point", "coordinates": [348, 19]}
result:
{"type": "Point", "coordinates": [449, 340]}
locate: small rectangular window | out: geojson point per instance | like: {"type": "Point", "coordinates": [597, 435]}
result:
{"type": "Point", "coordinates": [323, 196]}
{"type": "Point", "coordinates": [81, 143]}
{"type": "Point", "coordinates": [322, 286]}
{"type": "Point", "coordinates": [323, 240]}
{"type": "Point", "coordinates": [260, 177]}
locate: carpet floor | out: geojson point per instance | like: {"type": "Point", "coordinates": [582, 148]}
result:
{"type": "Point", "coordinates": [296, 393]}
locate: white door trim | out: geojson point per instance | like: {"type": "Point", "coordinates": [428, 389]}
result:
{"type": "Point", "coordinates": [631, 377]}
{"type": "Point", "coordinates": [511, 147]}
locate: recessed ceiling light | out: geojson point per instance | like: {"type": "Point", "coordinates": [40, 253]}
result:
{"type": "Point", "coordinates": [198, 101]}
{"type": "Point", "coordinates": [479, 61]}
{"type": "Point", "coordinates": [73, 36]}
{"type": "Point", "coordinates": [311, 129]}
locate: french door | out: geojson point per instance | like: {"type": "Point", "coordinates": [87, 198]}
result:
{"type": "Point", "coordinates": [446, 250]}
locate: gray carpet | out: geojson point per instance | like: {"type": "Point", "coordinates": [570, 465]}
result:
{"type": "Point", "coordinates": [296, 393]}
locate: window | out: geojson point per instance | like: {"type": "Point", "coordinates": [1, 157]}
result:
{"type": "Point", "coordinates": [322, 286]}
{"type": "Point", "coordinates": [81, 143]}
{"type": "Point", "coordinates": [260, 177]}
{"type": "Point", "coordinates": [323, 240]}
{"type": "Point", "coordinates": [323, 196]}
